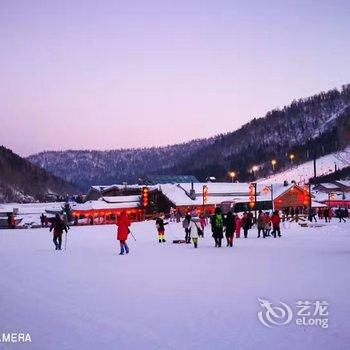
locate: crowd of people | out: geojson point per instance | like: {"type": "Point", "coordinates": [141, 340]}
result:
{"type": "Point", "coordinates": [328, 213]}
{"type": "Point", "coordinates": [323, 213]}
{"type": "Point", "coordinates": [227, 226]}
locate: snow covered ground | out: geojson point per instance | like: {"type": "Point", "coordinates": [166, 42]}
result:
{"type": "Point", "coordinates": [168, 296]}
{"type": "Point", "coordinates": [301, 173]}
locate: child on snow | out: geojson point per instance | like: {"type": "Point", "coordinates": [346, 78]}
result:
{"type": "Point", "coordinates": [203, 222]}
{"type": "Point", "coordinates": [161, 229]}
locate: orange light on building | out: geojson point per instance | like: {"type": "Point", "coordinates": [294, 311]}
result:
{"type": "Point", "coordinates": [144, 197]}
{"type": "Point", "coordinates": [205, 194]}
{"type": "Point", "coordinates": [251, 195]}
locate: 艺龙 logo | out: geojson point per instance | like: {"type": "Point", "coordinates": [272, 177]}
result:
{"type": "Point", "coordinates": [272, 315]}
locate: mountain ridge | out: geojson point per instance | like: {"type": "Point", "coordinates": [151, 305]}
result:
{"type": "Point", "coordinates": [319, 123]}
{"type": "Point", "coordinates": [22, 181]}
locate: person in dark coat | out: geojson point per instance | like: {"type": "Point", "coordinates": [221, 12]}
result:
{"type": "Point", "coordinates": [261, 224]}
{"type": "Point", "coordinates": [186, 224]}
{"type": "Point", "coordinates": [326, 214]}
{"type": "Point", "coordinates": [58, 226]}
{"type": "Point", "coordinates": [217, 225]}
{"type": "Point", "coordinates": [230, 227]}
{"type": "Point", "coordinates": [246, 224]}
{"type": "Point", "coordinates": [340, 214]}
{"type": "Point", "coordinates": [161, 229]}
{"type": "Point", "coordinates": [11, 221]}
{"type": "Point", "coordinates": [42, 219]}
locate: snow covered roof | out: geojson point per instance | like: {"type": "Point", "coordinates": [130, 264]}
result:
{"type": "Point", "coordinates": [31, 208]}
{"type": "Point", "coordinates": [315, 204]}
{"type": "Point", "coordinates": [345, 183]}
{"type": "Point", "coordinates": [121, 199]}
{"type": "Point", "coordinates": [217, 193]}
{"type": "Point", "coordinates": [102, 205]}
{"type": "Point", "coordinates": [329, 185]}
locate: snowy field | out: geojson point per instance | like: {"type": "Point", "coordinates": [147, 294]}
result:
{"type": "Point", "coordinates": [168, 296]}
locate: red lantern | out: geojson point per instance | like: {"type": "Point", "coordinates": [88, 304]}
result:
{"type": "Point", "coordinates": [205, 194]}
{"type": "Point", "coordinates": [144, 197]}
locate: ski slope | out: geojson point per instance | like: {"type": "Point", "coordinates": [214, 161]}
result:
{"type": "Point", "coordinates": [168, 296]}
{"type": "Point", "coordinates": [301, 173]}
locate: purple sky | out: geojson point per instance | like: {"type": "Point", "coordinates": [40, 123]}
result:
{"type": "Point", "coordinates": [111, 74]}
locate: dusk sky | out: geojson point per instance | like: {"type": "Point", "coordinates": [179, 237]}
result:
{"type": "Point", "coordinates": [112, 74]}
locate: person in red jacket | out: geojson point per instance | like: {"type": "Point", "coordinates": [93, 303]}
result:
{"type": "Point", "coordinates": [123, 224]}
{"type": "Point", "coordinates": [275, 220]}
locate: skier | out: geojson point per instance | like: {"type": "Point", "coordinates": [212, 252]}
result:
{"type": "Point", "coordinates": [261, 224]}
{"type": "Point", "coordinates": [186, 226]}
{"type": "Point", "coordinates": [275, 219]}
{"type": "Point", "coordinates": [230, 226]}
{"type": "Point", "coordinates": [217, 223]}
{"type": "Point", "coordinates": [238, 226]}
{"type": "Point", "coordinates": [123, 224]}
{"type": "Point", "coordinates": [58, 227]}
{"type": "Point", "coordinates": [161, 229]}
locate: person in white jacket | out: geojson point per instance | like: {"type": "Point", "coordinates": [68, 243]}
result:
{"type": "Point", "coordinates": [194, 232]}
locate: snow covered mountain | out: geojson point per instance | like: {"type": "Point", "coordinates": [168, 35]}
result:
{"type": "Point", "coordinates": [301, 173]}
{"type": "Point", "coordinates": [21, 181]}
{"type": "Point", "coordinates": [319, 125]}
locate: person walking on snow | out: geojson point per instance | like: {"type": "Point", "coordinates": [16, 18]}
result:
{"type": "Point", "coordinates": [326, 214]}
{"type": "Point", "coordinates": [275, 220]}
{"type": "Point", "coordinates": [194, 232]}
{"type": "Point", "coordinates": [203, 222]}
{"type": "Point", "coordinates": [247, 224]}
{"type": "Point", "coordinates": [230, 226]}
{"type": "Point", "coordinates": [58, 226]}
{"type": "Point", "coordinates": [261, 224]}
{"type": "Point", "coordinates": [123, 224]}
{"type": "Point", "coordinates": [161, 229]}
{"type": "Point", "coordinates": [267, 224]}
{"type": "Point", "coordinates": [238, 226]}
{"type": "Point", "coordinates": [186, 226]}
{"type": "Point", "coordinates": [217, 224]}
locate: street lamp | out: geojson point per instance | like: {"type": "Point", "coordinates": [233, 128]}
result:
{"type": "Point", "coordinates": [254, 170]}
{"type": "Point", "coordinates": [291, 157]}
{"type": "Point", "coordinates": [232, 175]}
{"type": "Point", "coordinates": [273, 162]}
